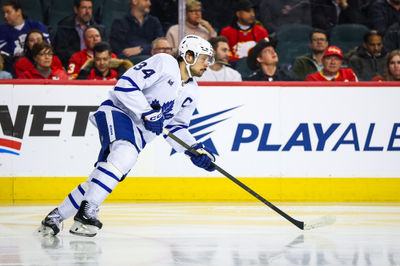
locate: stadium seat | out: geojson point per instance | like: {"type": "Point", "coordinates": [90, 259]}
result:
{"type": "Point", "coordinates": [293, 42]}
{"type": "Point", "coordinates": [33, 9]}
{"type": "Point", "coordinates": [241, 66]}
{"type": "Point", "coordinates": [347, 36]}
{"type": "Point", "coordinates": [55, 11]}
{"type": "Point", "coordinates": [113, 9]}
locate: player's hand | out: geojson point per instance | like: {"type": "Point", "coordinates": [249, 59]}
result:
{"type": "Point", "coordinates": [154, 119]}
{"type": "Point", "coordinates": [205, 159]}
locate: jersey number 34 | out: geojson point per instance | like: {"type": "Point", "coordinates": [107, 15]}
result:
{"type": "Point", "coordinates": [147, 72]}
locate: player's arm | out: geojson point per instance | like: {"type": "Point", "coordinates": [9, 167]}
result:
{"type": "Point", "coordinates": [179, 126]}
{"type": "Point", "coordinates": [129, 91]}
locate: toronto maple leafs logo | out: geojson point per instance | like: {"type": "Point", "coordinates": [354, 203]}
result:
{"type": "Point", "coordinates": [166, 108]}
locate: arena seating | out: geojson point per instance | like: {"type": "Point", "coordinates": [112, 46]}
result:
{"type": "Point", "coordinates": [347, 36]}
{"type": "Point", "coordinates": [293, 42]}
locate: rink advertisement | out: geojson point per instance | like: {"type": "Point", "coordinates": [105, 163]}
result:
{"type": "Point", "coordinates": [292, 136]}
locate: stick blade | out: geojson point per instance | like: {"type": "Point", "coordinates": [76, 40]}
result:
{"type": "Point", "coordinates": [322, 221]}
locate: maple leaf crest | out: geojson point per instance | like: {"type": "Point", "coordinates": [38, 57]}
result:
{"type": "Point", "coordinates": [167, 109]}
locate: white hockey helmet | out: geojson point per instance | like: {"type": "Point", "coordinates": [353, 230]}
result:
{"type": "Point", "coordinates": [198, 46]}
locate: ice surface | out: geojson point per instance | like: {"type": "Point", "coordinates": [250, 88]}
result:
{"type": "Point", "coordinates": [220, 234]}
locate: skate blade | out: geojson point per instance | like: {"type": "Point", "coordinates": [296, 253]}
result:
{"type": "Point", "coordinates": [45, 230]}
{"type": "Point", "coordinates": [81, 229]}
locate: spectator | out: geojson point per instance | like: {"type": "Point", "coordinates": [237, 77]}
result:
{"type": "Point", "coordinates": [274, 13]}
{"type": "Point", "coordinates": [220, 70]}
{"type": "Point", "coordinates": [26, 63]}
{"type": "Point", "coordinates": [309, 63]}
{"type": "Point", "coordinates": [102, 66]}
{"type": "Point", "coordinates": [391, 39]}
{"type": "Point", "coordinates": [132, 35]}
{"type": "Point", "coordinates": [332, 71]}
{"type": "Point", "coordinates": [195, 25]}
{"type": "Point", "coordinates": [369, 60]}
{"type": "Point", "coordinates": [4, 74]}
{"type": "Point", "coordinates": [392, 68]}
{"type": "Point", "coordinates": [264, 60]}
{"type": "Point", "coordinates": [383, 14]}
{"type": "Point", "coordinates": [328, 13]}
{"type": "Point", "coordinates": [243, 34]}
{"type": "Point", "coordinates": [17, 26]}
{"type": "Point", "coordinates": [160, 45]}
{"type": "Point", "coordinates": [91, 36]}
{"type": "Point", "coordinates": [69, 36]}
{"type": "Point", "coordinates": [42, 54]}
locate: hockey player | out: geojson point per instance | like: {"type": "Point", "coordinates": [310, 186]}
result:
{"type": "Point", "coordinates": [156, 93]}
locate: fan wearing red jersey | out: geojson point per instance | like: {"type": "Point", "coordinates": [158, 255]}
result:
{"type": "Point", "coordinates": [42, 54]}
{"type": "Point", "coordinates": [102, 66]}
{"type": "Point", "coordinates": [26, 63]}
{"type": "Point", "coordinates": [243, 34]}
{"type": "Point", "coordinates": [332, 71]}
{"type": "Point", "coordinates": [91, 36]}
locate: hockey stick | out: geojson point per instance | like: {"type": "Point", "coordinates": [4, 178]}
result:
{"type": "Point", "coordinates": [322, 221]}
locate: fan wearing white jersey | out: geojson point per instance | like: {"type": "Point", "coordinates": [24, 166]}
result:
{"type": "Point", "coordinates": [156, 93]}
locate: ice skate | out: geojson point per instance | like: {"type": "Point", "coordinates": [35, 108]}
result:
{"type": "Point", "coordinates": [86, 222]}
{"type": "Point", "coordinates": [51, 223]}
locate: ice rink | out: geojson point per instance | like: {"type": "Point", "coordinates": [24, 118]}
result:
{"type": "Point", "coordinates": [220, 234]}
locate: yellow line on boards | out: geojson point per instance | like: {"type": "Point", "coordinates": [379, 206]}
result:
{"type": "Point", "coordinates": [198, 189]}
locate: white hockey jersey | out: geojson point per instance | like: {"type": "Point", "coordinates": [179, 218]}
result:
{"type": "Point", "coordinates": [157, 80]}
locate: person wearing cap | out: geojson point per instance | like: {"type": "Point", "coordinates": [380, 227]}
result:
{"type": "Point", "coordinates": [243, 34]}
{"type": "Point", "coordinates": [332, 71]}
{"type": "Point", "coordinates": [263, 59]}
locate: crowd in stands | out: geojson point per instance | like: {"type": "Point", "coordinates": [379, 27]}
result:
{"type": "Point", "coordinates": [253, 40]}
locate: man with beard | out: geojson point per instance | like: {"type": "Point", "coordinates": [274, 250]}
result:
{"type": "Point", "coordinates": [69, 38]}
{"type": "Point", "coordinates": [220, 70]}
{"type": "Point", "coordinates": [157, 93]}
{"type": "Point", "coordinates": [332, 61]}
{"type": "Point", "coordinates": [369, 59]}
{"type": "Point", "coordinates": [312, 62]}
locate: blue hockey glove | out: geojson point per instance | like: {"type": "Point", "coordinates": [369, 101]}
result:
{"type": "Point", "coordinates": [204, 160]}
{"type": "Point", "coordinates": [154, 119]}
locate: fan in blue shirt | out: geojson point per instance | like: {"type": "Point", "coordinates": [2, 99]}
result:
{"type": "Point", "coordinates": [17, 26]}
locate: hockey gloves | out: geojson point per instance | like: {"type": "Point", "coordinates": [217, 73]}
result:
{"type": "Point", "coordinates": [204, 160]}
{"type": "Point", "coordinates": [154, 119]}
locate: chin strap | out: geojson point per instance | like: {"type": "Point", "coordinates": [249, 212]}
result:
{"type": "Point", "coordinates": [188, 66]}
{"type": "Point", "coordinates": [188, 70]}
